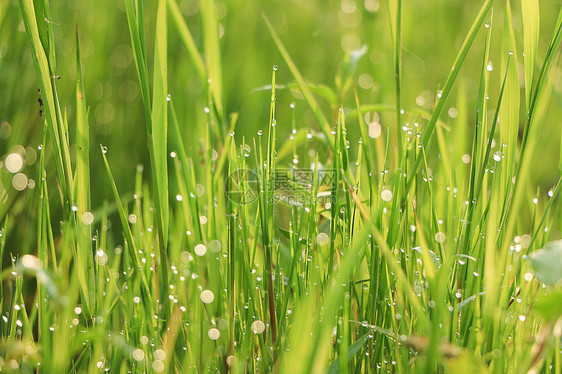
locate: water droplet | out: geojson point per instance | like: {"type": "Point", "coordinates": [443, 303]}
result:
{"type": "Point", "coordinates": [158, 366]}
{"type": "Point", "coordinates": [207, 296]}
{"type": "Point", "coordinates": [322, 239]}
{"type": "Point", "coordinates": [214, 246]}
{"type": "Point", "coordinates": [101, 257]}
{"type": "Point", "coordinates": [104, 149]}
{"type": "Point", "coordinates": [200, 249]}
{"type": "Point", "coordinates": [258, 327]}
{"type": "Point", "coordinates": [374, 130]}
{"type": "Point", "coordinates": [214, 334]}
{"type": "Point", "coordinates": [207, 110]}
{"type": "Point", "coordinates": [440, 237]}
{"type": "Point", "coordinates": [275, 67]}
{"type": "Point", "coordinates": [386, 195]}
{"type": "Point", "coordinates": [31, 262]}
{"type": "Point", "coordinates": [87, 218]}
{"type": "Point", "coordinates": [169, 97]}
{"type": "Point", "coordinates": [159, 354]}
{"type": "Point", "coordinates": [138, 354]}
{"type": "Point", "coordinates": [14, 162]}
{"type": "Point", "coordinates": [260, 132]}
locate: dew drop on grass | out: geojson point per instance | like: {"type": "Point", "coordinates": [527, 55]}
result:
{"type": "Point", "coordinates": [275, 67]}
{"type": "Point", "coordinates": [497, 156]}
{"type": "Point", "coordinates": [87, 218]}
{"type": "Point", "coordinates": [169, 97]}
{"type": "Point", "coordinates": [374, 130]}
{"type": "Point", "coordinates": [214, 334]}
{"type": "Point", "coordinates": [158, 366]}
{"type": "Point", "coordinates": [207, 110]}
{"type": "Point", "coordinates": [440, 237]}
{"type": "Point", "coordinates": [386, 195]}
{"type": "Point", "coordinates": [260, 132]}
{"type": "Point", "coordinates": [200, 249]}
{"type": "Point", "coordinates": [322, 239]}
{"type": "Point", "coordinates": [159, 354]}
{"type": "Point", "coordinates": [230, 360]}
{"type": "Point", "coordinates": [101, 257]}
{"type": "Point", "coordinates": [104, 149]}
{"type": "Point", "coordinates": [490, 66]}
{"type": "Point", "coordinates": [214, 246]}
{"type": "Point", "coordinates": [258, 327]}
{"type": "Point", "coordinates": [14, 162]}
{"type": "Point", "coordinates": [31, 262]}
{"type": "Point", "coordinates": [207, 296]}
{"type": "Point", "coordinates": [144, 340]}
{"type": "Point", "coordinates": [138, 354]}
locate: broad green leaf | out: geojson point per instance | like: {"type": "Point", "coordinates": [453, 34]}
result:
{"type": "Point", "coordinates": [547, 263]}
{"type": "Point", "coordinates": [549, 305]}
{"type": "Point", "coordinates": [346, 69]}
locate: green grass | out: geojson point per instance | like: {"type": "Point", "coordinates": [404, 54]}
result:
{"type": "Point", "coordinates": [397, 209]}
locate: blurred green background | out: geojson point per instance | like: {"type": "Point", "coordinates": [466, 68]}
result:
{"type": "Point", "coordinates": [317, 34]}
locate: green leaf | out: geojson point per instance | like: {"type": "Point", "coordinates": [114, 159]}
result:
{"type": "Point", "coordinates": [352, 351]}
{"type": "Point", "coordinates": [547, 263]}
{"type": "Point", "coordinates": [549, 305]}
{"type": "Point", "coordinates": [346, 69]}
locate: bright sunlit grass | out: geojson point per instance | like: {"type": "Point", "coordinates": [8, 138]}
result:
{"type": "Point", "coordinates": [353, 228]}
